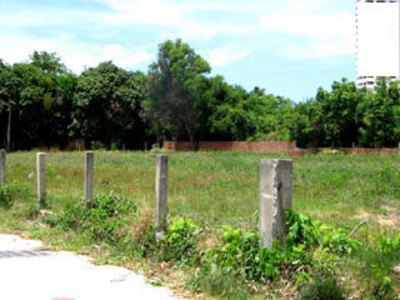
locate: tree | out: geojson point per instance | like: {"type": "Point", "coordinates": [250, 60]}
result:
{"type": "Point", "coordinates": [43, 100]}
{"type": "Point", "coordinates": [306, 127]}
{"type": "Point", "coordinates": [174, 83]}
{"type": "Point", "coordinates": [380, 124]}
{"type": "Point", "coordinates": [108, 106]}
{"type": "Point", "coordinates": [47, 62]}
{"type": "Point", "coordinates": [7, 102]}
{"type": "Point", "coordinates": [235, 114]}
{"type": "Point", "coordinates": [339, 113]}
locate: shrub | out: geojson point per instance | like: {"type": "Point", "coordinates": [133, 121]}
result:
{"type": "Point", "coordinates": [309, 246]}
{"type": "Point", "coordinates": [97, 145]}
{"type": "Point", "coordinates": [302, 230]}
{"type": "Point", "coordinates": [10, 193]}
{"type": "Point", "coordinates": [180, 242]}
{"type": "Point", "coordinates": [115, 145]}
{"type": "Point", "coordinates": [105, 220]}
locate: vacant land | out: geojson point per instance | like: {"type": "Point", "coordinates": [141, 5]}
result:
{"type": "Point", "coordinates": [220, 188]}
{"type": "Point", "coordinates": [216, 189]}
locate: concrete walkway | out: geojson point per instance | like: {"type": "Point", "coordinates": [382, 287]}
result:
{"type": "Point", "coordinates": [27, 273]}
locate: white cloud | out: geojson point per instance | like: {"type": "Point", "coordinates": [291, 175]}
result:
{"type": "Point", "coordinates": [122, 57]}
{"type": "Point", "coordinates": [150, 12]}
{"type": "Point", "coordinates": [227, 55]}
{"type": "Point", "coordinates": [76, 56]}
{"type": "Point", "coordinates": [322, 34]}
{"type": "Point", "coordinates": [181, 18]}
{"type": "Point", "coordinates": [306, 30]}
{"type": "Point", "coordinates": [309, 24]}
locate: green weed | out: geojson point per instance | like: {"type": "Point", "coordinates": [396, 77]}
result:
{"type": "Point", "coordinates": [324, 286]}
{"type": "Point", "coordinates": [10, 193]}
{"type": "Point", "coordinates": [106, 220]}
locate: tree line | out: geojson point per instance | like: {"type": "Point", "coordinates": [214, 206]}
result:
{"type": "Point", "coordinates": [42, 103]}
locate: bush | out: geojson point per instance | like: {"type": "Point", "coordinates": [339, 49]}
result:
{"type": "Point", "coordinates": [105, 220]}
{"type": "Point", "coordinates": [115, 145]}
{"type": "Point", "coordinates": [302, 230]}
{"type": "Point", "coordinates": [239, 257]}
{"type": "Point", "coordinates": [181, 241]}
{"type": "Point", "coordinates": [10, 193]}
{"type": "Point", "coordinates": [96, 145]}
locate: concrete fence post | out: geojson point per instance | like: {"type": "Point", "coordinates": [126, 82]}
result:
{"type": "Point", "coordinates": [89, 167]}
{"type": "Point", "coordinates": [41, 179]}
{"type": "Point", "coordinates": [2, 166]}
{"type": "Point", "coordinates": [161, 196]}
{"type": "Point", "coordinates": [276, 194]}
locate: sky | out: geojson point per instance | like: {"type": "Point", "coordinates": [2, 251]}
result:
{"type": "Point", "coordinates": [289, 48]}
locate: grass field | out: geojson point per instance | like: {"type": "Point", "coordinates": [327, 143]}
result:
{"type": "Point", "coordinates": [220, 188]}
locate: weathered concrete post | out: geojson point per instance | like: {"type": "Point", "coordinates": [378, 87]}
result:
{"type": "Point", "coordinates": [89, 164]}
{"type": "Point", "coordinates": [161, 196]}
{"type": "Point", "coordinates": [41, 179]}
{"type": "Point", "coordinates": [2, 166]}
{"type": "Point", "coordinates": [276, 194]}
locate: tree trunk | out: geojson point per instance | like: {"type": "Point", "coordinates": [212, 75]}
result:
{"type": "Point", "coordinates": [158, 135]}
{"type": "Point", "coordinates": [192, 137]}
{"type": "Point", "coordinates": [9, 130]}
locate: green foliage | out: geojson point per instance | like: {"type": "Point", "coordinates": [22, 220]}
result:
{"type": "Point", "coordinates": [108, 106]}
{"type": "Point", "coordinates": [115, 145]}
{"type": "Point", "coordinates": [175, 81]}
{"type": "Point", "coordinates": [96, 145]}
{"type": "Point", "coordinates": [324, 286]}
{"type": "Point", "coordinates": [382, 289]}
{"type": "Point", "coordinates": [178, 100]}
{"type": "Point", "coordinates": [380, 124]}
{"type": "Point", "coordinates": [334, 188]}
{"type": "Point", "coordinates": [105, 220]}
{"type": "Point", "coordinates": [378, 261]}
{"type": "Point", "coordinates": [302, 230]}
{"type": "Point", "coordinates": [309, 246]}
{"type": "Point", "coordinates": [10, 193]}
{"type": "Point", "coordinates": [180, 243]}
{"type": "Point", "coordinates": [238, 254]}
{"type": "Point", "coordinates": [239, 115]}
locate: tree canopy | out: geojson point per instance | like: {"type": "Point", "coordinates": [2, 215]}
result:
{"type": "Point", "coordinates": [42, 103]}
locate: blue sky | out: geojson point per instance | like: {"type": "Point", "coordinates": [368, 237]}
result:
{"type": "Point", "coordinates": [288, 47]}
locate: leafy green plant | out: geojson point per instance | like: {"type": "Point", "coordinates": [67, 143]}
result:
{"type": "Point", "coordinates": [180, 242]}
{"type": "Point", "coordinates": [105, 220]}
{"type": "Point", "coordinates": [9, 193]}
{"type": "Point", "coordinates": [302, 230]}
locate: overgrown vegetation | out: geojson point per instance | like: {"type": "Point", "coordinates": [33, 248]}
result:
{"type": "Point", "coordinates": [212, 235]}
{"type": "Point", "coordinates": [107, 218]}
{"type": "Point", "coordinates": [10, 193]}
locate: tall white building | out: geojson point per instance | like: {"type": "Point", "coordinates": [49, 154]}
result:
{"type": "Point", "coordinates": [378, 41]}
